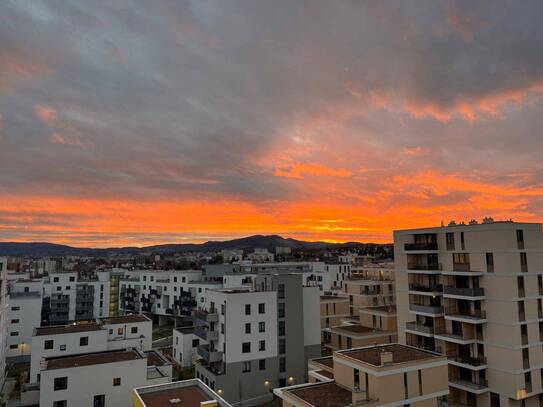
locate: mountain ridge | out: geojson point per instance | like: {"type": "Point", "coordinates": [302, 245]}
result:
{"type": "Point", "coordinates": [246, 243]}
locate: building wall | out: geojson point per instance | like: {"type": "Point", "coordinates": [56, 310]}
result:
{"type": "Point", "coordinates": [23, 317]}
{"type": "Point", "coordinates": [184, 353]}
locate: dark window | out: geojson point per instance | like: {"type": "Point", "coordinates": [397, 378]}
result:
{"type": "Point", "coordinates": [61, 383]}
{"type": "Point", "coordinates": [14, 333]}
{"type": "Point", "coordinates": [246, 367]}
{"type": "Point", "coordinates": [281, 310]}
{"type": "Point", "coordinates": [494, 400]}
{"type": "Point", "coordinates": [99, 400]}
{"type": "Point", "coordinates": [116, 381]}
{"type": "Point", "coordinates": [262, 364]}
{"type": "Point", "coordinates": [72, 278]}
{"type": "Point", "coordinates": [405, 386]}
{"type": "Point", "coordinates": [282, 346]}
{"type": "Point", "coordinates": [520, 239]}
{"type": "Point", "coordinates": [281, 291]}
{"type": "Point", "coordinates": [15, 308]}
{"type": "Point", "coordinates": [55, 279]}
{"type": "Point", "coordinates": [134, 330]}
{"type": "Point", "coordinates": [261, 327]}
{"type": "Point", "coordinates": [195, 342]}
{"type": "Point", "coordinates": [48, 344]}
{"type": "Point", "coordinates": [247, 328]}
{"type": "Point", "coordinates": [282, 365]}
{"type": "Point", "coordinates": [449, 237]}
{"type": "Point", "coordinates": [490, 262]}
{"type": "Point", "coordinates": [60, 403]}
{"type": "Point", "coordinates": [523, 262]}
{"type": "Point", "coordinates": [246, 347]}
{"type": "Point", "coordinates": [84, 341]}
{"type": "Point", "coordinates": [281, 328]}
{"type": "Point", "coordinates": [261, 308]}
{"type": "Point", "coordinates": [62, 347]}
{"type": "Point", "coordinates": [462, 241]}
{"type": "Point", "coordinates": [262, 346]}
{"type": "Point", "coordinates": [247, 309]}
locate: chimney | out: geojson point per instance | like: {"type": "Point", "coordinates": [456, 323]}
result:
{"type": "Point", "coordinates": [386, 358]}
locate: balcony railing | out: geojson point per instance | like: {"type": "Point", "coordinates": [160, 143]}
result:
{"type": "Point", "coordinates": [465, 292]}
{"type": "Point", "coordinates": [210, 356]}
{"type": "Point", "coordinates": [475, 384]}
{"type": "Point", "coordinates": [422, 266]}
{"type": "Point", "coordinates": [206, 334]}
{"type": "Point", "coordinates": [475, 314]}
{"type": "Point", "coordinates": [433, 288]}
{"type": "Point", "coordinates": [459, 336]}
{"type": "Point", "coordinates": [207, 316]}
{"type": "Point", "coordinates": [462, 267]}
{"type": "Point", "coordinates": [414, 326]}
{"type": "Point", "coordinates": [428, 309]}
{"type": "Point", "coordinates": [420, 246]}
{"type": "Point", "coordinates": [469, 360]}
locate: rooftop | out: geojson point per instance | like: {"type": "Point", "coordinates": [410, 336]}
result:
{"type": "Point", "coordinates": [124, 319]}
{"type": "Point", "coordinates": [185, 330]}
{"type": "Point", "coordinates": [333, 298]}
{"type": "Point", "coordinates": [186, 393]}
{"type": "Point", "coordinates": [400, 354]}
{"type": "Point", "coordinates": [387, 309]}
{"type": "Point", "coordinates": [98, 358]}
{"type": "Point", "coordinates": [155, 359]}
{"type": "Point", "coordinates": [356, 329]}
{"type": "Point", "coordinates": [323, 395]}
{"type": "Point", "coordinates": [68, 329]}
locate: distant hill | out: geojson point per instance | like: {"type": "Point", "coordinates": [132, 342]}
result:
{"type": "Point", "coordinates": [269, 242]}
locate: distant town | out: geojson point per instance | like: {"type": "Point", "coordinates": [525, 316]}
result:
{"type": "Point", "coordinates": [446, 315]}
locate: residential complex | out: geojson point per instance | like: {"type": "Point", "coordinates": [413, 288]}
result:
{"type": "Point", "coordinates": [474, 292]}
{"type": "Point", "coordinates": [4, 315]}
{"type": "Point", "coordinates": [384, 375]}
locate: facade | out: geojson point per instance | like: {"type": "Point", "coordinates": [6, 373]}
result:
{"type": "Point", "coordinates": [130, 331]}
{"type": "Point", "coordinates": [186, 393]}
{"type": "Point", "coordinates": [333, 309]}
{"type": "Point", "coordinates": [99, 379]}
{"type": "Point", "coordinates": [376, 376]}
{"type": "Point", "coordinates": [24, 314]}
{"type": "Point", "coordinates": [258, 338]}
{"type": "Point", "coordinates": [185, 346]}
{"type": "Point", "coordinates": [474, 293]}
{"type": "Point", "coordinates": [4, 315]}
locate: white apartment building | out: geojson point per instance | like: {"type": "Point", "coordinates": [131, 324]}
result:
{"type": "Point", "coordinates": [231, 256]}
{"type": "Point", "coordinates": [474, 292]}
{"type": "Point", "coordinates": [185, 346]}
{"type": "Point", "coordinates": [4, 305]}
{"type": "Point", "coordinates": [24, 314]}
{"type": "Point", "coordinates": [258, 338]}
{"type": "Point", "coordinates": [129, 331]}
{"type": "Point", "coordinates": [261, 256]}
{"type": "Point", "coordinates": [99, 379]}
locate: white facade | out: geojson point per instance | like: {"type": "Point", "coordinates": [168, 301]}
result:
{"type": "Point", "coordinates": [23, 316]}
{"type": "Point", "coordinates": [261, 256]}
{"type": "Point", "coordinates": [185, 346]}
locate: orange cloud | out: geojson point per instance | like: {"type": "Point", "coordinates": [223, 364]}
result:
{"type": "Point", "coordinates": [15, 66]}
{"type": "Point", "coordinates": [46, 114]}
{"type": "Point", "coordinates": [58, 138]}
{"type": "Point", "coordinates": [299, 170]}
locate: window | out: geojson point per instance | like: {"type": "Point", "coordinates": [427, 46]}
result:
{"type": "Point", "coordinates": [247, 309]}
{"type": "Point", "coordinates": [281, 310]}
{"type": "Point", "coordinates": [120, 331]}
{"type": "Point", "coordinates": [405, 386]}
{"type": "Point", "coordinates": [261, 308]}
{"type": "Point", "coordinates": [246, 347]}
{"type": "Point", "coordinates": [246, 367]}
{"type": "Point", "coordinates": [281, 328]}
{"type": "Point", "coordinates": [15, 308]}
{"type": "Point", "coordinates": [247, 328]}
{"type": "Point", "coordinates": [490, 262]}
{"type": "Point", "coordinates": [116, 381]}
{"type": "Point", "coordinates": [15, 346]}
{"type": "Point", "coordinates": [48, 344]}
{"type": "Point", "coordinates": [60, 403]}
{"type": "Point", "coordinates": [68, 287]}
{"type": "Point", "coordinates": [84, 341]}
{"type": "Point", "coordinates": [99, 401]}
{"type": "Point", "coordinates": [282, 365]}
{"type": "Point", "coordinates": [520, 239]}
{"type": "Point", "coordinates": [134, 330]}
{"type": "Point", "coordinates": [61, 383]}
{"type": "Point", "coordinates": [461, 258]}
{"type": "Point", "coordinates": [55, 279]}
{"type": "Point", "coordinates": [282, 346]}
{"type": "Point", "coordinates": [281, 291]}
{"type": "Point", "coordinates": [462, 241]}
{"type": "Point", "coordinates": [262, 364]}
{"type": "Point", "coordinates": [62, 347]}
{"type": "Point", "coordinates": [449, 237]}
{"type": "Point", "coordinates": [261, 327]}
{"type": "Point", "coordinates": [262, 346]}
{"type": "Point", "coordinates": [195, 342]}
{"type": "Point", "coordinates": [72, 278]}
{"type": "Point", "coordinates": [14, 333]}
{"type": "Point", "coordinates": [523, 262]}
{"type": "Point", "coordinates": [494, 400]}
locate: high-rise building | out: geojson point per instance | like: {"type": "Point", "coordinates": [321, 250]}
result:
{"type": "Point", "coordinates": [4, 304]}
{"type": "Point", "coordinates": [474, 292]}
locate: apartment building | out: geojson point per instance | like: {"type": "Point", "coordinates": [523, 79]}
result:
{"type": "Point", "coordinates": [333, 309]}
{"type": "Point", "coordinates": [114, 333]}
{"type": "Point", "coordinates": [4, 315]}
{"type": "Point", "coordinates": [384, 375]}
{"type": "Point", "coordinates": [185, 346]}
{"type": "Point", "coordinates": [186, 393]}
{"type": "Point", "coordinates": [24, 314]}
{"type": "Point", "coordinates": [99, 379]}
{"type": "Point", "coordinates": [70, 297]}
{"type": "Point", "coordinates": [370, 287]}
{"type": "Point", "coordinates": [258, 338]}
{"type": "Point", "coordinates": [474, 292]}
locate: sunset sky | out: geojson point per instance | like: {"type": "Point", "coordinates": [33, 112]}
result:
{"type": "Point", "coordinates": [135, 123]}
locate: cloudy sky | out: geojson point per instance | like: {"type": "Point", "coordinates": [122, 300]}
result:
{"type": "Point", "coordinates": [145, 122]}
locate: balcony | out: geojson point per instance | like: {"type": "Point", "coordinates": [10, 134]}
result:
{"type": "Point", "coordinates": [426, 309]}
{"type": "Point", "coordinates": [474, 317]}
{"type": "Point", "coordinates": [461, 338]}
{"type": "Point", "coordinates": [430, 289]}
{"type": "Point", "coordinates": [207, 316]}
{"type": "Point", "coordinates": [472, 292]}
{"type": "Point", "coordinates": [209, 356]}
{"type": "Point", "coordinates": [462, 267]}
{"type": "Point", "coordinates": [420, 246]}
{"type": "Point", "coordinates": [423, 329]}
{"type": "Point", "coordinates": [214, 369]}
{"type": "Point", "coordinates": [424, 266]}
{"type": "Point", "coordinates": [469, 362]}
{"type": "Point", "coordinates": [205, 334]}
{"type": "Point", "coordinates": [477, 386]}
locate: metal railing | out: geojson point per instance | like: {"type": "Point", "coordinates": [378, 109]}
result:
{"type": "Point", "coordinates": [428, 309]}
{"type": "Point", "coordinates": [464, 291]}
{"type": "Point", "coordinates": [420, 246]}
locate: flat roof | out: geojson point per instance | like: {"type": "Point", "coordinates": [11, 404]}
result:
{"type": "Point", "coordinates": [98, 358]}
{"type": "Point", "coordinates": [324, 395]}
{"type": "Point", "coordinates": [123, 319]}
{"type": "Point", "coordinates": [400, 354]}
{"type": "Point", "coordinates": [325, 361]}
{"type": "Point", "coordinates": [186, 393]}
{"type": "Point", "coordinates": [333, 298]}
{"type": "Point", "coordinates": [155, 359]}
{"type": "Point", "coordinates": [357, 329]}
{"type": "Point", "coordinates": [68, 329]}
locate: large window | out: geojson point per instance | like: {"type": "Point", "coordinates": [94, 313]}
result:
{"type": "Point", "coordinates": [61, 383]}
{"type": "Point", "coordinates": [261, 327]}
{"type": "Point", "coordinates": [99, 400]}
{"type": "Point", "coordinates": [247, 328]}
{"type": "Point", "coordinates": [60, 403]}
{"type": "Point", "coordinates": [262, 364]}
{"type": "Point", "coordinates": [247, 309]}
{"type": "Point", "coordinates": [84, 341]}
{"type": "Point", "coordinates": [246, 367]}
{"type": "Point", "coordinates": [246, 347]}
{"type": "Point", "coordinates": [261, 308]}
{"type": "Point", "coordinates": [262, 346]}
{"type": "Point", "coordinates": [116, 381]}
{"type": "Point", "coordinates": [48, 344]}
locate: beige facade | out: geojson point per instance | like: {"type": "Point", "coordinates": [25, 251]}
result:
{"type": "Point", "coordinates": [474, 292]}
{"type": "Point", "coordinates": [384, 375]}
{"type": "Point", "coordinates": [333, 309]}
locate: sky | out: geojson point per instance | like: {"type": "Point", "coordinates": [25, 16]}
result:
{"type": "Point", "coordinates": [138, 122]}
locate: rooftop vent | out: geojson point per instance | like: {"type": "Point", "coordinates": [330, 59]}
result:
{"type": "Point", "coordinates": [174, 401]}
{"type": "Point", "coordinates": [452, 223]}
{"type": "Point", "coordinates": [488, 219]}
{"type": "Point", "coordinates": [386, 358]}
{"type": "Point", "coordinates": [473, 222]}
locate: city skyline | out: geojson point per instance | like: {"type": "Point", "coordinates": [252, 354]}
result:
{"type": "Point", "coordinates": [134, 124]}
